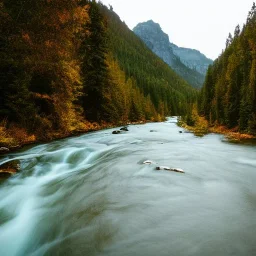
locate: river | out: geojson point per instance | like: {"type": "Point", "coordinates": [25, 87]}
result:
{"type": "Point", "coordinates": [92, 195]}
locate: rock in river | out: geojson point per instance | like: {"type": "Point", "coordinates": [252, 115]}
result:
{"type": "Point", "coordinates": [4, 150]}
{"type": "Point", "coordinates": [9, 168]}
{"type": "Point", "coordinates": [149, 162]}
{"type": "Point", "coordinates": [125, 128]}
{"type": "Point", "coordinates": [165, 168]}
{"type": "Point", "coordinates": [116, 132]}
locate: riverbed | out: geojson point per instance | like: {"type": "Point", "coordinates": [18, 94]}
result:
{"type": "Point", "coordinates": [92, 195]}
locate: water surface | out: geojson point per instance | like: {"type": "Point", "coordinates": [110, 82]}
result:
{"type": "Point", "coordinates": [92, 195]}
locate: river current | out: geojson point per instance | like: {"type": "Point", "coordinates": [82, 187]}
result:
{"type": "Point", "coordinates": [92, 195]}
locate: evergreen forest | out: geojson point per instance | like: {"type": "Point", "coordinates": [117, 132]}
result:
{"type": "Point", "coordinates": [73, 65]}
{"type": "Point", "coordinates": [228, 96]}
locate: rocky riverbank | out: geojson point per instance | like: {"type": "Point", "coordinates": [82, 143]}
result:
{"type": "Point", "coordinates": [8, 169]}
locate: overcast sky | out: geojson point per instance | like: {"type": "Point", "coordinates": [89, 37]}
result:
{"type": "Point", "coordinates": [199, 24]}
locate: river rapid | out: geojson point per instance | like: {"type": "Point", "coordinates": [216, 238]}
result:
{"type": "Point", "coordinates": [92, 195]}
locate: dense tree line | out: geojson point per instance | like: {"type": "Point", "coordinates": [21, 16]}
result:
{"type": "Point", "coordinates": [192, 76]}
{"type": "Point", "coordinates": [228, 96]}
{"type": "Point", "coordinates": [40, 78]}
{"type": "Point", "coordinates": [169, 93]}
{"type": "Point", "coordinates": [64, 62]}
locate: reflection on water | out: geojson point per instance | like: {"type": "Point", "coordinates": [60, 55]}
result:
{"type": "Point", "coordinates": [91, 195]}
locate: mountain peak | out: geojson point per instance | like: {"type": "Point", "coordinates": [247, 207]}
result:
{"type": "Point", "coordinates": [151, 27]}
{"type": "Point", "coordinates": [158, 41]}
{"type": "Point", "coordinates": [152, 23]}
{"type": "Point", "coordinates": [151, 32]}
{"type": "Point", "coordinates": [149, 23]}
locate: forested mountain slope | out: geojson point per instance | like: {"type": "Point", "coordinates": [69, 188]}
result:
{"type": "Point", "coordinates": [154, 77]}
{"type": "Point", "coordinates": [192, 58]}
{"type": "Point", "coordinates": [68, 63]}
{"type": "Point", "coordinates": [228, 96]}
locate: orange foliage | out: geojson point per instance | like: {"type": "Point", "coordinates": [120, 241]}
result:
{"type": "Point", "coordinates": [14, 136]}
{"type": "Point", "coordinates": [26, 38]}
{"type": "Point", "coordinates": [63, 17]}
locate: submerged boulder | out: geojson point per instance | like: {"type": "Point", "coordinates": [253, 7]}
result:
{"type": "Point", "coordinates": [122, 130]}
{"type": "Point", "coordinates": [165, 168]}
{"type": "Point", "coordinates": [125, 128]}
{"type": "Point", "coordinates": [9, 168]}
{"type": "Point", "coordinates": [116, 132]}
{"type": "Point", "coordinates": [149, 162]}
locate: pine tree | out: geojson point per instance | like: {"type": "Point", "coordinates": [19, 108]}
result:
{"type": "Point", "coordinates": [94, 67]}
{"type": "Point", "coordinates": [229, 92]}
{"type": "Point", "coordinates": [39, 50]}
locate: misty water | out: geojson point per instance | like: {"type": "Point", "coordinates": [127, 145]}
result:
{"type": "Point", "coordinates": [92, 195]}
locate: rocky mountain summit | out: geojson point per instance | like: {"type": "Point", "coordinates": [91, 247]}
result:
{"type": "Point", "coordinates": [188, 63]}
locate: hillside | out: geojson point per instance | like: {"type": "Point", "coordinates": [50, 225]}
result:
{"type": "Point", "coordinates": [188, 63]}
{"type": "Point", "coordinates": [192, 58]}
{"type": "Point", "coordinates": [75, 67]}
{"type": "Point", "coordinates": [228, 96]}
{"type": "Point", "coordinates": [152, 75]}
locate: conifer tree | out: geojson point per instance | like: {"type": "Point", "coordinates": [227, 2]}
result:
{"type": "Point", "coordinates": [228, 96]}
{"type": "Point", "coordinates": [94, 67]}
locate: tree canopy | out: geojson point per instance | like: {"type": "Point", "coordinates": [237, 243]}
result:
{"type": "Point", "coordinates": [66, 62]}
{"type": "Point", "coordinates": [228, 96]}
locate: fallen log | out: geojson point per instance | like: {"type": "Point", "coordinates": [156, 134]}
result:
{"type": "Point", "coordinates": [165, 168]}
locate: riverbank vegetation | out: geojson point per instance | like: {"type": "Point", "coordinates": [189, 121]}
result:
{"type": "Point", "coordinates": [228, 98]}
{"type": "Point", "coordinates": [200, 126]}
{"type": "Point", "coordinates": [71, 66]}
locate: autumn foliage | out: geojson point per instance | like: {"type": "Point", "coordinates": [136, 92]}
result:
{"type": "Point", "coordinates": [61, 71]}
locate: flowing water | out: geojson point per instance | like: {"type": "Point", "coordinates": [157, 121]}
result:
{"type": "Point", "coordinates": [92, 195]}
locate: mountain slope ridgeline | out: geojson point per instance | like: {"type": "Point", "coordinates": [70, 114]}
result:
{"type": "Point", "coordinates": [188, 63]}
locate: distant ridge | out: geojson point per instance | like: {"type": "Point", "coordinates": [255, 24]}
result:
{"type": "Point", "coordinates": [188, 63]}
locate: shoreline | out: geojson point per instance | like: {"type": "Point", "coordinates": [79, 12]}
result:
{"type": "Point", "coordinates": [232, 135]}
{"type": "Point", "coordinates": [10, 148]}
{"type": "Point", "coordinates": [202, 128]}
{"type": "Point", "coordinates": [12, 167]}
